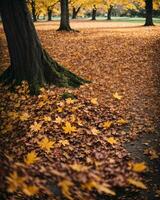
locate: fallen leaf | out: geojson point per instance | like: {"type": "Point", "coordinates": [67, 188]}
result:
{"type": "Point", "coordinates": [122, 121]}
{"type": "Point", "coordinates": [35, 127]}
{"type": "Point", "coordinates": [111, 140]}
{"type": "Point", "coordinates": [30, 190]}
{"type": "Point", "coordinates": [139, 167]}
{"type": "Point", "coordinates": [68, 128]}
{"type": "Point", "coordinates": [95, 131]}
{"type": "Point", "coordinates": [31, 158]}
{"type": "Point", "coordinates": [64, 142]}
{"type": "Point", "coordinates": [46, 144]}
{"type": "Point", "coordinates": [24, 116]}
{"type": "Point", "coordinates": [65, 186]}
{"type": "Point", "coordinates": [136, 183]}
{"type": "Point", "coordinates": [94, 101]}
{"type": "Point", "coordinates": [117, 96]}
{"type": "Point", "coordinates": [99, 187]}
{"type": "Point", "coordinates": [15, 182]}
{"type": "Point", "coordinates": [107, 124]}
{"type": "Point", "coordinates": [79, 167]}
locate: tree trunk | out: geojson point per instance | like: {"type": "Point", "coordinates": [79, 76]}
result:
{"type": "Point", "coordinates": [29, 61]}
{"type": "Point", "coordinates": [109, 12]}
{"type": "Point", "coordinates": [64, 23]}
{"type": "Point", "coordinates": [75, 12]}
{"type": "Point", "coordinates": [33, 7]}
{"type": "Point", "coordinates": [149, 10]}
{"type": "Point", "coordinates": [49, 11]}
{"type": "Point", "coordinates": [94, 12]}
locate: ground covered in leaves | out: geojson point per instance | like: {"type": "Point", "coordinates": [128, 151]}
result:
{"type": "Point", "coordinates": [72, 143]}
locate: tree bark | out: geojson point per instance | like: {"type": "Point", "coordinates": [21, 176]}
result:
{"type": "Point", "coordinates": [33, 7]}
{"type": "Point", "coordinates": [49, 12]}
{"type": "Point", "coordinates": [29, 61]}
{"type": "Point", "coordinates": [149, 11]}
{"type": "Point", "coordinates": [94, 12]}
{"type": "Point", "coordinates": [64, 23]}
{"type": "Point", "coordinates": [109, 12]}
{"type": "Point", "coordinates": [75, 12]}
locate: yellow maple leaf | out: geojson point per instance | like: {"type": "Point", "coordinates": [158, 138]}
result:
{"type": "Point", "coordinates": [138, 184]}
{"type": "Point", "coordinates": [47, 119]}
{"type": "Point", "coordinates": [111, 140]}
{"type": "Point", "coordinates": [99, 187]}
{"type": "Point", "coordinates": [46, 144]}
{"type": "Point", "coordinates": [117, 96]}
{"type": "Point", "coordinates": [122, 121]}
{"type": "Point", "coordinates": [15, 182]}
{"type": "Point", "coordinates": [95, 131]}
{"type": "Point", "coordinates": [70, 101]}
{"type": "Point", "coordinates": [64, 142]}
{"type": "Point", "coordinates": [8, 128]}
{"type": "Point", "coordinates": [31, 158]}
{"type": "Point", "coordinates": [94, 101]}
{"type": "Point", "coordinates": [58, 120]}
{"type": "Point", "coordinates": [65, 186]}
{"type": "Point", "coordinates": [139, 167]}
{"type": "Point", "coordinates": [30, 190]}
{"type": "Point", "coordinates": [79, 167]}
{"type": "Point", "coordinates": [68, 128]}
{"type": "Point", "coordinates": [35, 127]}
{"type": "Point", "coordinates": [24, 116]}
{"type": "Point", "coordinates": [107, 124]}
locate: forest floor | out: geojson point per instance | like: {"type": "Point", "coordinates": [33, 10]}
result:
{"type": "Point", "coordinates": [106, 140]}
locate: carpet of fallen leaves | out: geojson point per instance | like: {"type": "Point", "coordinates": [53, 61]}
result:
{"type": "Point", "coordinates": [55, 146]}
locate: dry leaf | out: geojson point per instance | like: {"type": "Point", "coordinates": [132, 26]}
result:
{"type": "Point", "coordinates": [46, 144]}
{"type": "Point", "coordinates": [15, 182]}
{"type": "Point", "coordinates": [68, 128]}
{"type": "Point", "coordinates": [79, 167]}
{"type": "Point", "coordinates": [24, 116]}
{"type": "Point", "coordinates": [117, 96]}
{"type": "Point", "coordinates": [136, 183]}
{"type": "Point", "coordinates": [31, 158]}
{"type": "Point", "coordinates": [30, 190]}
{"type": "Point", "coordinates": [95, 131]}
{"type": "Point", "coordinates": [65, 186]}
{"type": "Point", "coordinates": [94, 101]}
{"type": "Point", "coordinates": [111, 140]}
{"type": "Point", "coordinates": [35, 127]}
{"type": "Point", "coordinates": [107, 124]}
{"type": "Point", "coordinates": [99, 187]}
{"type": "Point", "coordinates": [139, 167]}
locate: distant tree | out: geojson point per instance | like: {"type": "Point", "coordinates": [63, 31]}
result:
{"type": "Point", "coordinates": [94, 12]}
{"type": "Point", "coordinates": [149, 12]}
{"type": "Point", "coordinates": [64, 22]}
{"type": "Point", "coordinates": [29, 61]}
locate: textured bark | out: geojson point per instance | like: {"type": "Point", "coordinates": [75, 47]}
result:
{"type": "Point", "coordinates": [75, 12]}
{"type": "Point", "coordinates": [64, 23]}
{"type": "Point", "coordinates": [33, 7]}
{"type": "Point", "coordinates": [94, 12]}
{"type": "Point", "coordinates": [109, 12]}
{"type": "Point", "coordinates": [149, 11]}
{"type": "Point", "coordinates": [29, 61]}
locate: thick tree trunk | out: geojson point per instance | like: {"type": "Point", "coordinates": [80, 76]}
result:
{"type": "Point", "coordinates": [75, 12]}
{"type": "Point", "coordinates": [49, 12]}
{"type": "Point", "coordinates": [64, 23]}
{"type": "Point", "coordinates": [33, 7]}
{"type": "Point", "coordinates": [149, 10]}
{"type": "Point", "coordinates": [109, 12]}
{"type": "Point", "coordinates": [94, 12]}
{"type": "Point", "coordinates": [29, 61]}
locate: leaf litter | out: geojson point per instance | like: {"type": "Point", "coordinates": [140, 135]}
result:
{"type": "Point", "coordinates": [50, 144]}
